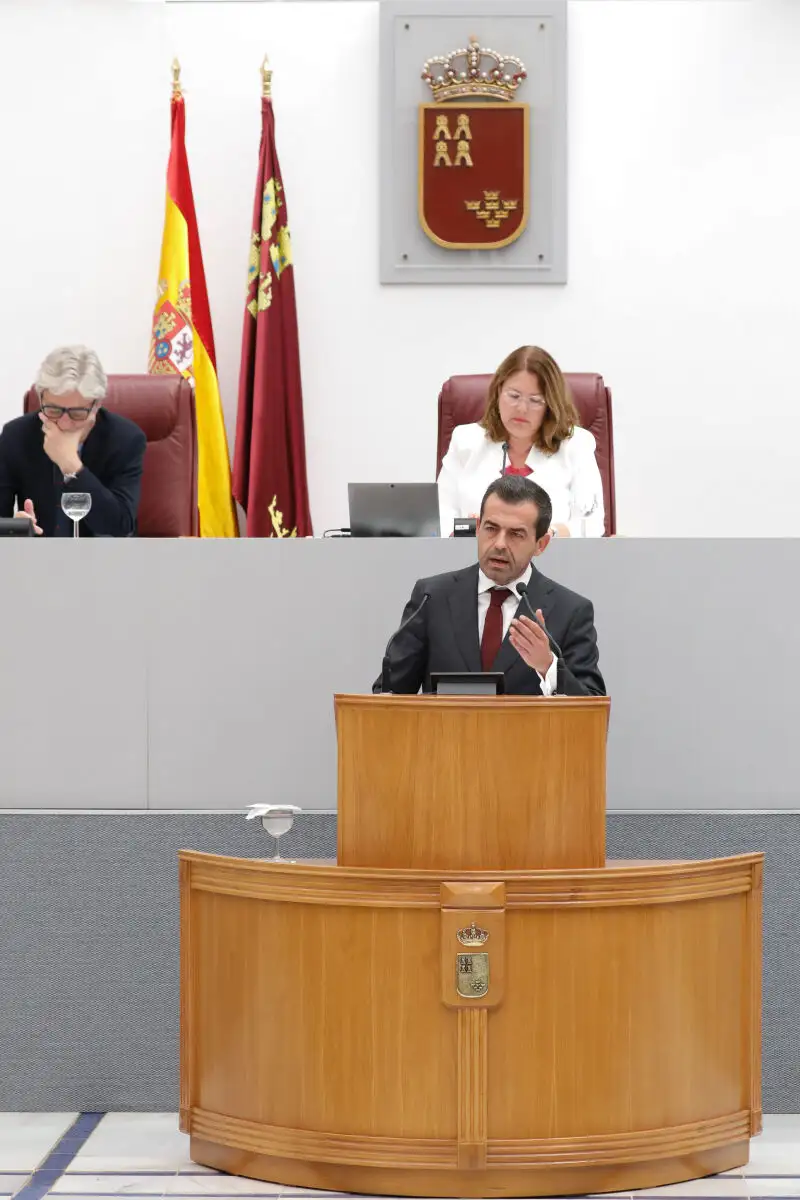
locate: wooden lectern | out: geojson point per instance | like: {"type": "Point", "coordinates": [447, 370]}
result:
{"type": "Point", "coordinates": [508, 783]}
{"type": "Point", "coordinates": [471, 1002]}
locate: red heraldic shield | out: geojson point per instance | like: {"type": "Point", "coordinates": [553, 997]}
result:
{"type": "Point", "coordinates": [473, 173]}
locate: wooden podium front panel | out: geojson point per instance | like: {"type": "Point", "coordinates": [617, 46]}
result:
{"type": "Point", "coordinates": [286, 1030]}
{"type": "Point", "coordinates": [573, 1021]}
{"type": "Point", "coordinates": [467, 783]}
{"type": "Point", "coordinates": [321, 1045]}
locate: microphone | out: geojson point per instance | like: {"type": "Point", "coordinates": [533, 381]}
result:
{"type": "Point", "coordinates": [522, 590]}
{"type": "Point", "coordinates": [505, 456]}
{"type": "Point", "coordinates": [386, 669]}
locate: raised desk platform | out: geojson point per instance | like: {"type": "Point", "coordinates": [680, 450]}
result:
{"type": "Point", "coordinates": [324, 1044]}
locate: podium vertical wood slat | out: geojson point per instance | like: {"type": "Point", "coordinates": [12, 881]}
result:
{"type": "Point", "coordinates": [473, 1096]}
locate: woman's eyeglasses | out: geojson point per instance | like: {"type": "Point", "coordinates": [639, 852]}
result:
{"type": "Point", "coordinates": [517, 399]}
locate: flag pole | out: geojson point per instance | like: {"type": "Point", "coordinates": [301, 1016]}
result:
{"type": "Point", "coordinates": [266, 79]}
{"type": "Point", "coordinates": [176, 80]}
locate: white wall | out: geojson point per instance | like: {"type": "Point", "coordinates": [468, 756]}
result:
{"type": "Point", "coordinates": [684, 184]}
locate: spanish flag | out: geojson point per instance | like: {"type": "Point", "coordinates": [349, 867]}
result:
{"type": "Point", "coordinates": [182, 340]}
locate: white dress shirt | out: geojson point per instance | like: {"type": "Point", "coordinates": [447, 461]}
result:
{"type": "Point", "coordinates": [570, 477]}
{"type": "Point", "coordinates": [508, 608]}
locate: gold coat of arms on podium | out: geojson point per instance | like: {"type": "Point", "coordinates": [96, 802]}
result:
{"type": "Point", "coordinates": [474, 150]}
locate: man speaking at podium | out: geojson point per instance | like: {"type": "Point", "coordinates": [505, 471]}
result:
{"type": "Point", "coordinates": [475, 619]}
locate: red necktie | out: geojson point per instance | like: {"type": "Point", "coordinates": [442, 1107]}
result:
{"type": "Point", "coordinates": [493, 628]}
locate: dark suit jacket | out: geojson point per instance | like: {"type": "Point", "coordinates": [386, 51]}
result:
{"type": "Point", "coordinates": [112, 456]}
{"type": "Point", "coordinates": [445, 636]}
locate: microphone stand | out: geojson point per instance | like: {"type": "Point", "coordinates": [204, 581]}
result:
{"type": "Point", "coordinates": [386, 668]}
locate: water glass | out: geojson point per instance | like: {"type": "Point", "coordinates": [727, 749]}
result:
{"type": "Point", "coordinates": [76, 505]}
{"type": "Point", "coordinates": [277, 819]}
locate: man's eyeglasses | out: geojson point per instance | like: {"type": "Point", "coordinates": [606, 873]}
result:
{"type": "Point", "coordinates": [54, 412]}
{"type": "Point", "coordinates": [516, 398]}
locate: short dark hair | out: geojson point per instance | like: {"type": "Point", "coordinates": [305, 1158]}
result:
{"type": "Point", "coordinates": [517, 489]}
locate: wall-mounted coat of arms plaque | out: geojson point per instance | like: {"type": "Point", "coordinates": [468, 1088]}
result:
{"type": "Point", "coordinates": [473, 150]}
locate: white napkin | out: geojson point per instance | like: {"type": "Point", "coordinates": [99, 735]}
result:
{"type": "Point", "coordinates": [268, 810]}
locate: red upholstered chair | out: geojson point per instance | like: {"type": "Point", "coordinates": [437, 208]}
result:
{"type": "Point", "coordinates": [163, 407]}
{"type": "Point", "coordinates": [463, 399]}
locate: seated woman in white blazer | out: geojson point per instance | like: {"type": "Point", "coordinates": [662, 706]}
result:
{"type": "Point", "coordinates": [530, 427]}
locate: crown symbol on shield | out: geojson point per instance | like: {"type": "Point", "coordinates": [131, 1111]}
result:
{"type": "Point", "coordinates": [474, 71]}
{"type": "Point", "coordinates": [473, 935]}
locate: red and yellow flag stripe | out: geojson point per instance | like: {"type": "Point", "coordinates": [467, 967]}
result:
{"type": "Point", "coordinates": [183, 339]}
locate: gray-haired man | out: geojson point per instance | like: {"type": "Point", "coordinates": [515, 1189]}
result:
{"type": "Point", "coordinates": [72, 444]}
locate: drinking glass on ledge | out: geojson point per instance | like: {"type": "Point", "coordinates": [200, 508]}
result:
{"type": "Point", "coordinates": [76, 505]}
{"type": "Point", "coordinates": [277, 819]}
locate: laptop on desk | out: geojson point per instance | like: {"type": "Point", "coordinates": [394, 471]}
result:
{"type": "Point", "coordinates": [393, 509]}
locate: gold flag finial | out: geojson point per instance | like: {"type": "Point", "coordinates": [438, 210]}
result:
{"type": "Point", "coordinates": [176, 78]}
{"type": "Point", "coordinates": [266, 79]}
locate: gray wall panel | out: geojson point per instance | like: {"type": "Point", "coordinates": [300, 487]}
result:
{"type": "Point", "coordinates": [89, 942]}
{"type": "Point", "coordinates": [73, 717]}
{"type": "Point", "coordinates": [201, 674]}
{"type": "Point", "coordinates": [244, 663]}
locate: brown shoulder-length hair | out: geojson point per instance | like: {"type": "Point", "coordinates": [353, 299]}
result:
{"type": "Point", "coordinates": [561, 416]}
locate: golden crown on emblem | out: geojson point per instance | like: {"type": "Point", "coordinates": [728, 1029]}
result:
{"type": "Point", "coordinates": [474, 71]}
{"type": "Point", "coordinates": [472, 935]}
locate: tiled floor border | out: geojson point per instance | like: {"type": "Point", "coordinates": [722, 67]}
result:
{"type": "Point", "coordinates": [55, 1164]}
